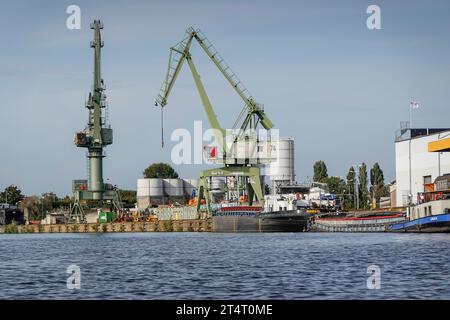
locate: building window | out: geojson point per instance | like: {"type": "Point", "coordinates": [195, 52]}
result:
{"type": "Point", "coordinates": [429, 211]}
{"type": "Point", "coordinates": [425, 211]}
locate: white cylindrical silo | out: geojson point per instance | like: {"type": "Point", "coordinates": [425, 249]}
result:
{"type": "Point", "coordinates": [156, 187]}
{"type": "Point", "coordinates": [173, 187]}
{"type": "Point", "coordinates": [143, 188]}
{"type": "Point", "coordinates": [283, 168]}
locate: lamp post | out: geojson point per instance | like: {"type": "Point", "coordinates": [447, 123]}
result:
{"type": "Point", "coordinates": [357, 184]}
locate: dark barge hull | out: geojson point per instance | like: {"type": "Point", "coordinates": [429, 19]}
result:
{"type": "Point", "coordinates": [264, 222]}
{"type": "Point", "coordinates": [432, 224]}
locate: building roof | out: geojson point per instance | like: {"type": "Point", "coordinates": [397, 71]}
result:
{"type": "Point", "coordinates": [445, 177]}
{"type": "Point", "coordinates": [414, 133]}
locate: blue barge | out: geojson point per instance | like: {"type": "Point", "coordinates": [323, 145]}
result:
{"type": "Point", "coordinates": [434, 223]}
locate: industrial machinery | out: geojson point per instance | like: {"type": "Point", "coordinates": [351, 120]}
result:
{"type": "Point", "coordinates": [95, 137]}
{"type": "Point", "coordinates": [239, 149]}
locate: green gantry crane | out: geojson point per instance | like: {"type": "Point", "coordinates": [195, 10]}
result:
{"type": "Point", "coordinates": [248, 119]}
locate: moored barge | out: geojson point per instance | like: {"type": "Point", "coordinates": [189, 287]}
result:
{"type": "Point", "coordinates": [253, 219]}
{"type": "Point", "coordinates": [375, 223]}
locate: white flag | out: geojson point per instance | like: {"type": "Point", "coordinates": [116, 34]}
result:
{"type": "Point", "coordinates": [414, 105]}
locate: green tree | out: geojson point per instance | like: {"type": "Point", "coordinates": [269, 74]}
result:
{"type": "Point", "coordinates": [11, 195]}
{"type": "Point", "coordinates": [335, 185]}
{"type": "Point", "coordinates": [128, 196]}
{"type": "Point", "coordinates": [351, 175]}
{"type": "Point", "coordinates": [161, 171]}
{"type": "Point", "coordinates": [65, 202]}
{"type": "Point", "coordinates": [320, 171]}
{"type": "Point", "coordinates": [362, 187]}
{"type": "Point", "coordinates": [49, 202]}
{"type": "Point", "coordinates": [377, 187]}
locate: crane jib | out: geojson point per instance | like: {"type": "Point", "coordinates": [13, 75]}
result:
{"type": "Point", "coordinates": [181, 52]}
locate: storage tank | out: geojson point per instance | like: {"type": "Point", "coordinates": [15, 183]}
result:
{"type": "Point", "coordinates": [190, 185]}
{"type": "Point", "coordinates": [174, 187]}
{"type": "Point", "coordinates": [143, 183]}
{"type": "Point", "coordinates": [282, 170]}
{"type": "Point", "coordinates": [143, 187]}
{"type": "Point", "coordinates": [156, 187]}
{"type": "Point", "coordinates": [150, 187]}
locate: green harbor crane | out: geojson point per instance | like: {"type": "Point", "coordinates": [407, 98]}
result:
{"type": "Point", "coordinates": [95, 137]}
{"type": "Point", "coordinates": [245, 125]}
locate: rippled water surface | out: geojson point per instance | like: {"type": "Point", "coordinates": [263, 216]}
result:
{"type": "Point", "coordinates": [225, 266]}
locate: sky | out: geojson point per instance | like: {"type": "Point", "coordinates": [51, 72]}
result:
{"type": "Point", "coordinates": [339, 89]}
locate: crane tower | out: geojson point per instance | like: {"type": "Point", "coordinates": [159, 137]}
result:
{"type": "Point", "coordinates": [95, 137]}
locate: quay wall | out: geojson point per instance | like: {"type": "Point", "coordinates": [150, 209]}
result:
{"type": "Point", "coordinates": [203, 225]}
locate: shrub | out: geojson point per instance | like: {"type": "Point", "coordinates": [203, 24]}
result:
{"type": "Point", "coordinates": [12, 228]}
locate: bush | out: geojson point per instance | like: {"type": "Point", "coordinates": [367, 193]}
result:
{"type": "Point", "coordinates": [168, 225]}
{"type": "Point", "coordinates": [12, 228]}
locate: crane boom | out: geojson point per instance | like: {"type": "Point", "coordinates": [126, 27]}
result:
{"type": "Point", "coordinates": [178, 55]}
{"type": "Point", "coordinates": [181, 52]}
{"type": "Point", "coordinates": [254, 108]}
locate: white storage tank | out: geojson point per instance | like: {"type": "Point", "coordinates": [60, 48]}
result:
{"type": "Point", "coordinates": [143, 183]}
{"type": "Point", "coordinates": [150, 188]}
{"type": "Point", "coordinates": [283, 168]}
{"type": "Point", "coordinates": [174, 187]}
{"type": "Point", "coordinates": [156, 187]}
{"type": "Point", "coordinates": [143, 188]}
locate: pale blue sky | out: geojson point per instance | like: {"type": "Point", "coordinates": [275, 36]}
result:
{"type": "Point", "coordinates": [338, 88]}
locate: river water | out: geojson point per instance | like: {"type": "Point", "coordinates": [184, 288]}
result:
{"type": "Point", "coordinates": [225, 266]}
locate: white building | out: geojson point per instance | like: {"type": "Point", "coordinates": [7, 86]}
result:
{"type": "Point", "coordinates": [415, 165]}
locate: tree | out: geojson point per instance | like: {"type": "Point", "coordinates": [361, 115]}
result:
{"type": "Point", "coordinates": [161, 171]}
{"type": "Point", "coordinates": [128, 196]}
{"type": "Point", "coordinates": [377, 187]}
{"type": "Point", "coordinates": [32, 207]}
{"type": "Point", "coordinates": [351, 175]}
{"type": "Point", "coordinates": [335, 185]}
{"type": "Point", "coordinates": [49, 201]}
{"type": "Point", "coordinates": [11, 195]}
{"type": "Point", "coordinates": [65, 202]}
{"type": "Point", "coordinates": [362, 187]}
{"type": "Point", "coordinates": [320, 171]}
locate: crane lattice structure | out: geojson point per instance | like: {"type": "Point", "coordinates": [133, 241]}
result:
{"type": "Point", "coordinates": [251, 116]}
